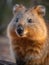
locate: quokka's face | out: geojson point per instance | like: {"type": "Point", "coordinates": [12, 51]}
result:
{"type": "Point", "coordinates": [25, 24]}
{"type": "Point", "coordinates": [29, 23]}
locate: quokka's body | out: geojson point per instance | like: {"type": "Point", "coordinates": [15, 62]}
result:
{"type": "Point", "coordinates": [28, 35]}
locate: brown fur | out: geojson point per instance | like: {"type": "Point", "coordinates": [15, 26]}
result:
{"type": "Point", "coordinates": [32, 46]}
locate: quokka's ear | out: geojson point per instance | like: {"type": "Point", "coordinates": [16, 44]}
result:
{"type": "Point", "coordinates": [40, 9]}
{"type": "Point", "coordinates": [18, 8]}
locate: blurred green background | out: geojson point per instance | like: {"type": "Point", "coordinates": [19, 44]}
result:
{"type": "Point", "coordinates": [6, 10]}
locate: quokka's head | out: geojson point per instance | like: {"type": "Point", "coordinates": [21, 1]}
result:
{"type": "Point", "coordinates": [28, 23]}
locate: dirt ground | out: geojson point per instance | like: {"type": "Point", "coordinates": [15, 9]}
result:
{"type": "Point", "coordinates": [6, 52]}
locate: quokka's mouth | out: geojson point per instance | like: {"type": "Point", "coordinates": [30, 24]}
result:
{"type": "Point", "coordinates": [19, 34]}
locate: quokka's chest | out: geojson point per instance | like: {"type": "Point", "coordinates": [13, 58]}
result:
{"type": "Point", "coordinates": [23, 46]}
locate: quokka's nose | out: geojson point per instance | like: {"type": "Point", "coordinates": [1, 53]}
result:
{"type": "Point", "coordinates": [20, 29]}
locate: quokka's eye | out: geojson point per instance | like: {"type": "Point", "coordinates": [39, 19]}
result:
{"type": "Point", "coordinates": [29, 20]}
{"type": "Point", "coordinates": [17, 19]}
